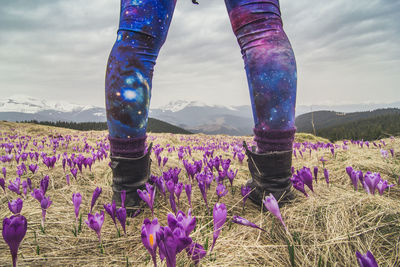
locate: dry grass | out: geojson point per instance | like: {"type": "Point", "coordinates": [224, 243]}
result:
{"type": "Point", "coordinates": [326, 229]}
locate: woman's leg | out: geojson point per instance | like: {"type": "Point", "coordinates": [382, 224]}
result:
{"type": "Point", "coordinates": [271, 70]}
{"type": "Point", "coordinates": [142, 31]}
{"type": "Point", "coordinates": [271, 74]}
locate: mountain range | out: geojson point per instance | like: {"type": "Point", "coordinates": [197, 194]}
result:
{"type": "Point", "coordinates": [193, 116]}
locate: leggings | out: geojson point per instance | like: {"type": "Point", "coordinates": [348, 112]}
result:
{"type": "Point", "coordinates": [268, 58]}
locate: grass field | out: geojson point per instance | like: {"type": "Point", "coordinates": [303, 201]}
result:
{"type": "Point", "coordinates": [325, 229]}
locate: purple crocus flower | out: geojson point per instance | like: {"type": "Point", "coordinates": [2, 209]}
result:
{"type": "Point", "coordinates": [149, 237]}
{"type": "Point", "coordinates": [74, 172]}
{"type": "Point", "coordinates": [172, 241]}
{"type": "Point", "coordinates": [384, 153]}
{"type": "Point", "coordinates": [349, 169]}
{"type": "Point", "coordinates": [219, 218]}
{"type": "Point", "coordinates": [14, 230]}
{"type": "Point", "coordinates": [240, 157]}
{"type": "Point", "coordinates": [136, 213]}
{"type": "Point", "coordinates": [245, 190]}
{"type": "Point", "coordinates": [3, 184]}
{"type": "Point", "coordinates": [15, 206]}
{"type": "Point", "coordinates": [165, 160]}
{"type": "Point", "coordinates": [44, 184]}
{"type": "Point", "coordinates": [170, 186]}
{"type": "Point", "coordinates": [221, 191]}
{"type": "Point", "coordinates": [178, 191]}
{"type": "Point", "coordinates": [95, 196]}
{"type": "Point", "coordinates": [121, 216]}
{"type": "Point", "coordinates": [188, 222]}
{"type": "Point", "coordinates": [67, 179]}
{"type": "Point", "coordinates": [45, 204]}
{"type": "Point", "coordinates": [382, 185]}
{"type": "Point", "coordinates": [225, 164]}
{"type": "Point", "coordinates": [217, 162]}
{"type": "Point", "coordinates": [33, 168]}
{"type": "Point", "coordinates": [37, 194]}
{"type": "Point", "coordinates": [14, 185]}
{"type": "Point", "coordinates": [272, 205]}
{"type": "Point", "coordinates": [245, 222]}
{"type": "Point", "coordinates": [188, 190]}
{"type": "Point", "coordinates": [95, 222]}
{"type": "Point", "coordinates": [326, 174]}
{"type": "Point", "coordinates": [196, 252]}
{"type": "Point", "coordinates": [148, 196]}
{"type": "Point", "coordinates": [4, 170]}
{"type": "Point", "coordinates": [356, 176]}
{"type": "Point", "coordinates": [298, 184]}
{"type": "Point", "coordinates": [160, 183]}
{"type": "Point", "coordinates": [316, 173]}
{"type": "Point", "coordinates": [392, 152]}
{"type": "Point", "coordinates": [221, 176]}
{"type": "Point", "coordinates": [366, 260]}
{"type": "Point", "coordinates": [76, 200]}
{"type": "Point", "coordinates": [111, 209]}
{"type": "Point", "coordinates": [231, 175]}
{"type": "Point", "coordinates": [305, 175]}
{"type": "Point", "coordinates": [371, 180]}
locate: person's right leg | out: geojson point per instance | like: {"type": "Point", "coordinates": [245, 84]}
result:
{"type": "Point", "coordinates": [272, 78]}
{"type": "Point", "coordinates": [142, 31]}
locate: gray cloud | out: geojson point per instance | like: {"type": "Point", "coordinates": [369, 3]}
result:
{"type": "Point", "coordinates": [347, 51]}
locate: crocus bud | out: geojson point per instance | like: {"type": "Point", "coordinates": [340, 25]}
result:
{"type": "Point", "coordinates": [95, 196]}
{"type": "Point", "coordinates": [14, 230]}
{"type": "Point", "coordinates": [219, 218]}
{"type": "Point", "coordinates": [272, 205]}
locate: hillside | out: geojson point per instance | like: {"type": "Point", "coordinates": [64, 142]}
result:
{"type": "Point", "coordinates": [154, 126]}
{"type": "Point", "coordinates": [368, 125]}
{"type": "Point", "coordinates": [324, 229]}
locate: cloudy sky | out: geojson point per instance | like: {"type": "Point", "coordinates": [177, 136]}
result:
{"type": "Point", "coordinates": [347, 51]}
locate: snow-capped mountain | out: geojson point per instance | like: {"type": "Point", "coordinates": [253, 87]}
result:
{"type": "Point", "coordinates": [29, 104]}
{"type": "Point", "coordinates": [22, 107]}
{"type": "Point", "coordinates": [178, 105]}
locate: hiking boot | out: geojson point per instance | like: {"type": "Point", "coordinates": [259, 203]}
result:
{"type": "Point", "coordinates": [271, 173]}
{"type": "Point", "coordinates": [130, 174]}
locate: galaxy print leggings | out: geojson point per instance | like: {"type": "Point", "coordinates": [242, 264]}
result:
{"type": "Point", "coordinates": [268, 58]}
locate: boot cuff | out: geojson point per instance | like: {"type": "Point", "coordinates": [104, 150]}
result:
{"type": "Point", "coordinates": [274, 140]}
{"type": "Point", "coordinates": [127, 147]}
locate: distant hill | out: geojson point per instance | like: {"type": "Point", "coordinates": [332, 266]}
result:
{"type": "Point", "coordinates": [157, 126]}
{"type": "Point", "coordinates": [192, 116]}
{"type": "Point", "coordinates": [368, 125]}
{"type": "Point", "coordinates": [153, 126]}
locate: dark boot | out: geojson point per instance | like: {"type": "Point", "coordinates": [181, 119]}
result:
{"type": "Point", "coordinates": [130, 174]}
{"type": "Point", "coordinates": [270, 173]}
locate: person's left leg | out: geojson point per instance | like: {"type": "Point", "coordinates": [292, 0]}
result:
{"type": "Point", "coordinates": [142, 31]}
{"type": "Point", "coordinates": [271, 73]}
